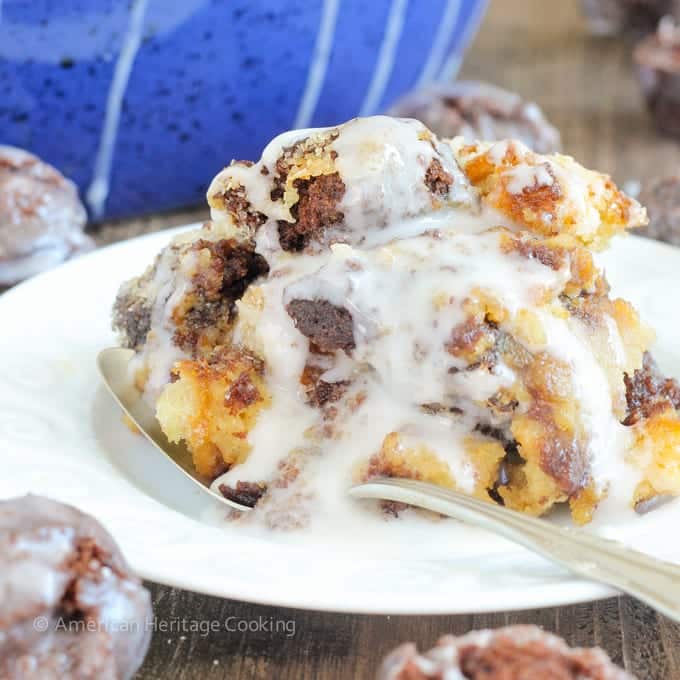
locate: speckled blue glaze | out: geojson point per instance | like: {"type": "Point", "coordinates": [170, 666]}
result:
{"type": "Point", "coordinates": [209, 80]}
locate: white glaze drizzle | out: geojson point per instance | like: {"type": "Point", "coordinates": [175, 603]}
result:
{"type": "Point", "coordinates": [403, 263]}
{"type": "Point", "coordinates": [391, 305]}
{"type": "Point", "coordinates": [171, 281]}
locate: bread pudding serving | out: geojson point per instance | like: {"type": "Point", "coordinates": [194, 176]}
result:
{"type": "Point", "coordinates": [369, 300]}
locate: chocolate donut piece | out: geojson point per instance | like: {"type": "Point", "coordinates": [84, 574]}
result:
{"type": "Point", "coordinates": [70, 609]}
{"type": "Point", "coordinates": [661, 197]}
{"type": "Point", "coordinates": [630, 17]}
{"type": "Point", "coordinates": [511, 653]}
{"type": "Point", "coordinates": [657, 60]}
{"type": "Point", "coordinates": [477, 110]}
{"type": "Point", "coordinates": [41, 217]}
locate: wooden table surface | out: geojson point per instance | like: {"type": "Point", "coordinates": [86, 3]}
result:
{"type": "Point", "coordinates": [587, 89]}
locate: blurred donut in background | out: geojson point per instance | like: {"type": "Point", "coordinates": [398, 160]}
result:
{"type": "Point", "coordinates": [477, 111]}
{"type": "Point", "coordinates": [41, 216]}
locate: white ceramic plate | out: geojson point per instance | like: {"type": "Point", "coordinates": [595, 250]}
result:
{"type": "Point", "coordinates": [62, 436]}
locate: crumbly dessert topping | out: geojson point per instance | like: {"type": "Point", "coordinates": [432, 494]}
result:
{"type": "Point", "coordinates": [404, 306]}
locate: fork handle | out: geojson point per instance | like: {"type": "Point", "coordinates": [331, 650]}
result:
{"type": "Point", "coordinates": [653, 581]}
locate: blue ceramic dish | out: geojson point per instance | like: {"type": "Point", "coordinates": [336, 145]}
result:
{"type": "Point", "coordinates": [142, 102]}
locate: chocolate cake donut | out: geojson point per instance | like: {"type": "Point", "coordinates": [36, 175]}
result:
{"type": "Point", "coordinates": [41, 217]}
{"type": "Point", "coordinates": [512, 653]}
{"type": "Point", "coordinates": [477, 110]}
{"type": "Point", "coordinates": [662, 198]}
{"type": "Point", "coordinates": [70, 609]}
{"type": "Point", "coordinates": [628, 17]}
{"type": "Point", "coordinates": [657, 60]}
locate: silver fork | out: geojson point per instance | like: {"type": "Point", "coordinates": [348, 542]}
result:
{"type": "Point", "coordinates": [653, 581]}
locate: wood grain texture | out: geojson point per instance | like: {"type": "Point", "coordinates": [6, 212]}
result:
{"type": "Point", "coordinates": [321, 646]}
{"type": "Point", "coordinates": [586, 87]}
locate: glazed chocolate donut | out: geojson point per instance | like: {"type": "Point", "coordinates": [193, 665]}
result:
{"type": "Point", "coordinates": [476, 110]}
{"type": "Point", "coordinates": [70, 609]}
{"type": "Point", "coordinates": [41, 217]}
{"type": "Point", "coordinates": [627, 17]}
{"type": "Point", "coordinates": [511, 653]}
{"type": "Point", "coordinates": [661, 197]}
{"type": "Point", "coordinates": [657, 62]}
